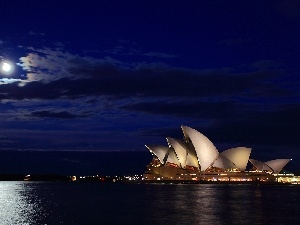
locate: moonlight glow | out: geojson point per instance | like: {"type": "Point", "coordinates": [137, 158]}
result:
{"type": "Point", "coordinates": [6, 67]}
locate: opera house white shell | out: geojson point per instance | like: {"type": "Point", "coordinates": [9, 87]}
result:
{"type": "Point", "coordinates": [205, 149]}
{"type": "Point", "coordinates": [195, 155]}
{"type": "Point", "coordinates": [238, 156]}
{"type": "Point", "coordinates": [274, 166]}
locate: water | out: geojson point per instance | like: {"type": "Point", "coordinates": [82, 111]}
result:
{"type": "Point", "coordinates": [119, 203]}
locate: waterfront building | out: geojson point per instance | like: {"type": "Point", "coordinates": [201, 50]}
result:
{"type": "Point", "coordinates": [195, 158]}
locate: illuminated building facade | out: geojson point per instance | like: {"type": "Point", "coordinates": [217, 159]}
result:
{"type": "Point", "coordinates": [195, 158]}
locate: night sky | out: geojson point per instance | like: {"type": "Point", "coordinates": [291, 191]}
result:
{"type": "Point", "coordinates": [94, 81]}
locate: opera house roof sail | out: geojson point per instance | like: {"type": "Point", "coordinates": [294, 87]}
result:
{"type": "Point", "coordinates": [205, 149]}
{"type": "Point", "coordinates": [274, 165]}
{"type": "Point", "coordinates": [180, 151]}
{"type": "Point", "coordinates": [195, 156]}
{"type": "Point", "coordinates": [238, 156]}
{"type": "Point", "coordinates": [159, 151]}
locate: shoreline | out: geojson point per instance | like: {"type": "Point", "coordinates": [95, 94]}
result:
{"type": "Point", "coordinates": [206, 182]}
{"type": "Point", "coordinates": [124, 179]}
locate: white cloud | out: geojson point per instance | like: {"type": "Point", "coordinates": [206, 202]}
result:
{"type": "Point", "coordinates": [32, 33]}
{"type": "Point", "coordinates": [159, 55]}
{"type": "Point", "coordinates": [9, 80]}
{"type": "Point", "coordinates": [48, 64]}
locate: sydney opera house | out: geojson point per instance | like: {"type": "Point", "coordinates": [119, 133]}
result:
{"type": "Point", "coordinates": [196, 159]}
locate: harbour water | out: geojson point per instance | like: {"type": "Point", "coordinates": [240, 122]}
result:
{"type": "Point", "coordinates": [122, 203]}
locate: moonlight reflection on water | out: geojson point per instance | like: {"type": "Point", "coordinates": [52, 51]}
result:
{"type": "Point", "coordinates": [19, 204]}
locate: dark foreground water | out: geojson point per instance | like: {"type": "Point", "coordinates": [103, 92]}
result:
{"type": "Point", "coordinates": [119, 203]}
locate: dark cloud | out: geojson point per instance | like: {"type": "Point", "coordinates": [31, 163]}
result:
{"type": "Point", "coordinates": [278, 127]}
{"type": "Point", "coordinates": [289, 8]}
{"type": "Point", "coordinates": [233, 104]}
{"type": "Point", "coordinates": [186, 109]}
{"type": "Point", "coordinates": [142, 82]}
{"type": "Point", "coordinates": [32, 33]}
{"type": "Point", "coordinates": [234, 42]}
{"type": "Point", "coordinates": [56, 115]}
{"type": "Point", "coordinates": [159, 55]}
{"type": "Point", "coordinates": [266, 128]}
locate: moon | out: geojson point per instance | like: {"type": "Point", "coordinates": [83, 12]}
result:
{"type": "Point", "coordinates": [6, 67]}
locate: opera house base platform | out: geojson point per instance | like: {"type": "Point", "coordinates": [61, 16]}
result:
{"type": "Point", "coordinates": [169, 174]}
